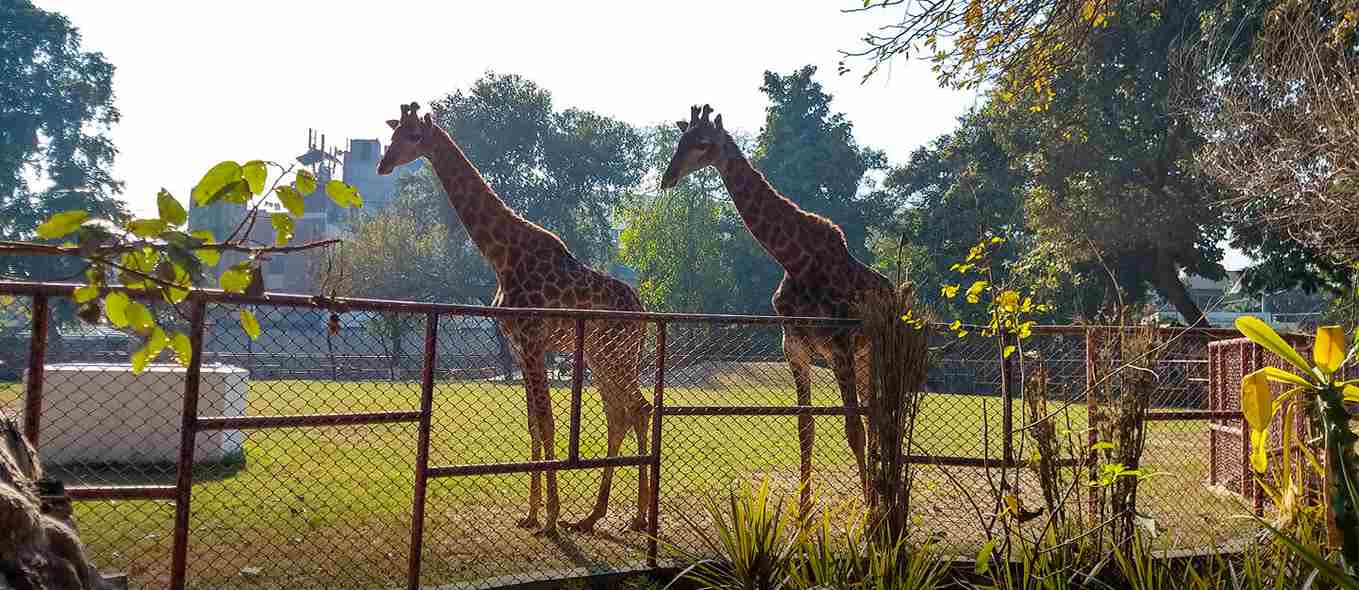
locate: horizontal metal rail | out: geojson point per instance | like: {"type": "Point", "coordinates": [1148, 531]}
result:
{"type": "Point", "coordinates": [342, 304]}
{"type": "Point", "coordinates": [762, 411]}
{"type": "Point", "coordinates": [530, 466]}
{"type": "Point", "coordinates": [1195, 415]}
{"type": "Point", "coordinates": [304, 420]}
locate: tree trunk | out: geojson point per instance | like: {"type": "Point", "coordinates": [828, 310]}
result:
{"type": "Point", "coordinates": [1166, 278]}
{"type": "Point", "coordinates": [39, 549]}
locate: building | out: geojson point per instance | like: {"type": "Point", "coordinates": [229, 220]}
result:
{"type": "Point", "coordinates": [1224, 300]}
{"type": "Point", "coordinates": [295, 273]}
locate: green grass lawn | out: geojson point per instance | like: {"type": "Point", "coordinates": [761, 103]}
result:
{"type": "Point", "coordinates": [331, 507]}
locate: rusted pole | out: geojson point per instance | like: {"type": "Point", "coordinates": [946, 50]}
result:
{"type": "Point", "coordinates": [577, 384]}
{"type": "Point", "coordinates": [654, 510]}
{"type": "Point", "coordinates": [188, 428]}
{"type": "Point", "coordinates": [1258, 502]}
{"type": "Point", "coordinates": [37, 357]}
{"type": "Point", "coordinates": [422, 452]}
{"type": "Point", "coordinates": [1215, 376]}
{"type": "Point", "coordinates": [1007, 413]}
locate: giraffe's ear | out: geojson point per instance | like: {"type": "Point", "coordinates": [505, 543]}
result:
{"type": "Point", "coordinates": [393, 123]}
{"type": "Point", "coordinates": [717, 121]}
{"type": "Point", "coordinates": [683, 126]}
{"type": "Point", "coordinates": [429, 120]}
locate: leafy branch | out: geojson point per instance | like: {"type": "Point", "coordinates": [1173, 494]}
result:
{"type": "Point", "coordinates": [162, 255]}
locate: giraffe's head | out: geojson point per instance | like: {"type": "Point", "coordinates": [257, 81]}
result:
{"type": "Point", "coordinates": [701, 144]}
{"type": "Point", "coordinates": [412, 137]}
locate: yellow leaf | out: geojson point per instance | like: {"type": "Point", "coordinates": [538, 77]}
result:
{"type": "Point", "coordinates": [1281, 376]}
{"type": "Point", "coordinates": [974, 292]}
{"type": "Point", "coordinates": [1351, 394]}
{"type": "Point", "coordinates": [1329, 349]}
{"type": "Point", "coordinates": [250, 324]}
{"type": "Point", "coordinates": [1260, 333]}
{"type": "Point", "coordinates": [115, 307]}
{"type": "Point", "coordinates": [1259, 455]}
{"type": "Point", "coordinates": [950, 291]}
{"type": "Point", "coordinates": [183, 350]}
{"type": "Point", "coordinates": [1257, 400]}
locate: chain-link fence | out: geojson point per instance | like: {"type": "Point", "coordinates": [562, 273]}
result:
{"type": "Point", "coordinates": [384, 444]}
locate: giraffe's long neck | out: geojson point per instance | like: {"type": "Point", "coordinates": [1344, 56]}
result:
{"type": "Point", "coordinates": [501, 235]}
{"type": "Point", "coordinates": [779, 225]}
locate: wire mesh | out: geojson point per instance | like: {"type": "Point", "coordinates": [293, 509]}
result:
{"type": "Point", "coordinates": [296, 503]}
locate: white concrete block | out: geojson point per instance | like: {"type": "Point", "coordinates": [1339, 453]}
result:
{"type": "Point", "coordinates": [103, 413]}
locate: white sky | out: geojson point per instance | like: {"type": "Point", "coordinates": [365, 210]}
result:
{"type": "Point", "coordinates": [200, 82]}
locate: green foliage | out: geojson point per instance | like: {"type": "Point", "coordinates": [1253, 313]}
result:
{"type": "Point", "coordinates": [156, 255]}
{"type": "Point", "coordinates": [808, 151]}
{"type": "Point", "coordinates": [1321, 379]}
{"type": "Point", "coordinates": [680, 242]}
{"type": "Point", "coordinates": [754, 541]}
{"type": "Point", "coordinates": [566, 170]}
{"type": "Point", "coordinates": [54, 120]}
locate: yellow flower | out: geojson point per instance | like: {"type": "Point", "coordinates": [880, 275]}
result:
{"type": "Point", "coordinates": [1009, 300]}
{"type": "Point", "coordinates": [1329, 349]}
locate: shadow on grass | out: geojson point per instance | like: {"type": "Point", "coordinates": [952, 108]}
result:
{"type": "Point", "coordinates": [142, 474]}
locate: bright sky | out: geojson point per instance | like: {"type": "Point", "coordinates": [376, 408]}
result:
{"type": "Point", "coordinates": [201, 82]}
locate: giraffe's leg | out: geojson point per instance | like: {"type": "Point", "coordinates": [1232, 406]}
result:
{"type": "Point", "coordinates": [536, 477]}
{"type": "Point", "coordinates": [532, 347]}
{"type": "Point", "coordinates": [799, 355]}
{"type": "Point", "coordinates": [535, 444]}
{"type": "Point", "coordinates": [842, 361]}
{"type": "Point", "coordinates": [617, 428]}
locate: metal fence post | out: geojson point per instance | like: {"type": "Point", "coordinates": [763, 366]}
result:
{"type": "Point", "coordinates": [577, 384]}
{"type": "Point", "coordinates": [654, 510]}
{"type": "Point", "coordinates": [422, 451]}
{"type": "Point", "coordinates": [188, 428]}
{"type": "Point", "coordinates": [37, 358]}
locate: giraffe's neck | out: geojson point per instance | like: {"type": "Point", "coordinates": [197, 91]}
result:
{"type": "Point", "coordinates": [501, 235]}
{"type": "Point", "coordinates": [776, 222]}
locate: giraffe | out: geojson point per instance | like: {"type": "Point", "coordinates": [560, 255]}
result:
{"type": "Point", "coordinates": [821, 279]}
{"type": "Point", "coordinates": [533, 268]}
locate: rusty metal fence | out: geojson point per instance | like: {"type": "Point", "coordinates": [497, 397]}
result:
{"type": "Point", "coordinates": [364, 443]}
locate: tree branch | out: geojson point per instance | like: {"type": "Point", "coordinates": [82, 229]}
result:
{"type": "Point", "coordinates": [13, 247]}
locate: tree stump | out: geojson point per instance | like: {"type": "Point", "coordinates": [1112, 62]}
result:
{"type": "Point", "coordinates": [39, 546]}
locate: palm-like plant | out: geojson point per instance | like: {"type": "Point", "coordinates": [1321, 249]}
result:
{"type": "Point", "coordinates": [1321, 379]}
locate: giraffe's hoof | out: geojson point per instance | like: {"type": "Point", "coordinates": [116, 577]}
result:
{"type": "Point", "coordinates": [584, 526]}
{"type": "Point", "coordinates": [528, 522]}
{"type": "Point", "coordinates": [547, 531]}
{"type": "Point", "coordinates": [638, 525]}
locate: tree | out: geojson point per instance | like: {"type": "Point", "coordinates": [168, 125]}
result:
{"type": "Point", "coordinates": [56, 111]}
{"type": "Point", "coordinates": [1112, 181]}
{"type": "Point", "coordinates": [809, 153]}
{"type": "Point", "coordinates": [679, 241]}
{"type": "Point", "coordinates": [1283, 132]}
{"type": "Point", "coordinates": [956, 192]}
{"type": "Point", "coordinates": [1018, 46]}
{"type": "Point", "coordinates": [401, 252]}
{"type": "Point", "coordinates": [565, 170]}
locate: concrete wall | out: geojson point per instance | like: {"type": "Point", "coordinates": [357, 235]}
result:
{"type": "Point", "coordinates": [103, 413]}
